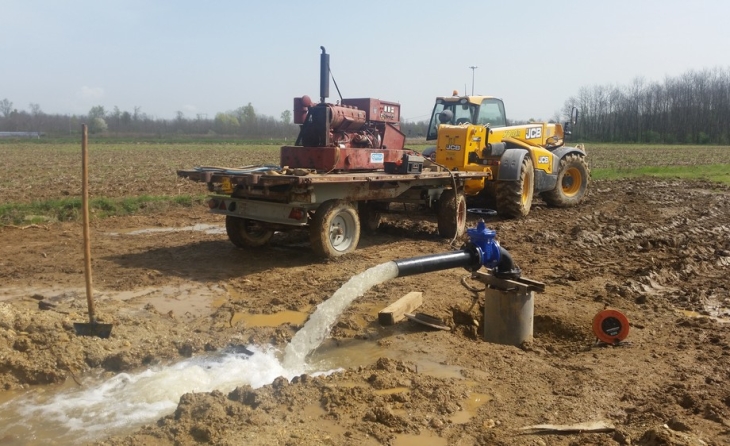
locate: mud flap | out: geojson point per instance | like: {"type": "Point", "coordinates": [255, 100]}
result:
{"type": "Point", "coordinates": [510, 164]}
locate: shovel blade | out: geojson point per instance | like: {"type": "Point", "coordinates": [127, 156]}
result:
{"type": "Point", "coordinates": [93, 329]}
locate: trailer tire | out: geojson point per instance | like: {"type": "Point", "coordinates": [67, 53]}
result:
{"type": "Point", "coordinates": [335, 230]}
{"type": "Point", "coordinates": [451, 214]}
{"type": "Point", "coordinates": [514, 198]}
{"type": "Point", "coordinates": [246, 233]}
{"type": "Point", "coordinates": [573, 179]}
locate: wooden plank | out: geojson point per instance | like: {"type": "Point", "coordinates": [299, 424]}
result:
{"type": "Point", "coordinates": [396, 311]}
{"type": "Point", "coordinates": [590, 426]}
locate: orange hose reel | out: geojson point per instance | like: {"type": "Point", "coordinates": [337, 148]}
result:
{"type": "Point", "coordinates": [610, 326]}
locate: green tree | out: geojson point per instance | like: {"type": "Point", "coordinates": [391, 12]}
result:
{"type": "Point", "coordinates": [35, 109]}
{"type": "Point", "coordinates": [248, 115]}
{"type": "Point", "coordinates": [126, 118]}
{"type": "Point", "coordinates": [286, 117]}
{"type": "Point", "coordinates": [6, 107]}
{"type": "Point", "coordinates": [97, 112]}
{"type": "Point", "coordinates": [225, 122]}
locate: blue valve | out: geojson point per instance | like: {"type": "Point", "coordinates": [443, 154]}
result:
{"type": "Point", "coordinates": [484, 239]}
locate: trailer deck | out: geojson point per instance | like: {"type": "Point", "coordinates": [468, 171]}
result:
{"type": "Point", "coordinates": [257, 176]}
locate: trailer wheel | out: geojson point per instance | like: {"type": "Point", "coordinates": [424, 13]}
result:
{"type": "Point", "coordinates": [451, 214]}
{"type": "Point", "coordinates": [369, 217]}
{"type": "Point", "coordinates": [335, 230]}
{"type": "Point", "coordinates": [573, 178]}
{"type": "Point", "coordinates": [514, 198]}
{"type": "Point", "coordinates": [246, 233]}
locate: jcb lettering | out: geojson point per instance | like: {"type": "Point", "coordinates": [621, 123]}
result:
{"type": "Point", "coordinates": [453, 147]}
{"type": "Point", "coordinates": [542, 160]}
{"type": "Point", "coordinates": [533, 132]}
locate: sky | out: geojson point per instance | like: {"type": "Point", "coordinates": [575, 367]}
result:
{"type": "Point", "coordinates": [204, 57]}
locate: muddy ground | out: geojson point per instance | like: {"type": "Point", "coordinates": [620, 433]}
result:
{"type": "Point", "coordinates": [658, 251]}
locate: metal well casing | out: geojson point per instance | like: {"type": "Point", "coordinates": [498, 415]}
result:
{"type": "Point", "coordinates": [509, 307]}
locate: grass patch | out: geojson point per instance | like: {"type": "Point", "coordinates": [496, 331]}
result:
{"type": "Point", "coordinates": [719, 173]}
{"type": "Point", "coordinates": [70, 209]}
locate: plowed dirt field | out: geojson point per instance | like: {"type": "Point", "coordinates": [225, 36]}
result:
{"type": "Point", "coordinates": [656, 250]}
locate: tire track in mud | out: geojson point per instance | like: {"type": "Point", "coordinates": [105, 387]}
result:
{"type": "Point", "coordinates": [676, 255]}
{"type": "Point", "coordinates": [659, 240]}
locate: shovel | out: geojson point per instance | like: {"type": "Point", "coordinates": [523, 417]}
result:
{"type": "Point", "coordinates": [93, 328]}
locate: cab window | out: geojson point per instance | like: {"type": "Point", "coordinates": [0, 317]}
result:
{"type": "Point", "coordinates": [492, 112]}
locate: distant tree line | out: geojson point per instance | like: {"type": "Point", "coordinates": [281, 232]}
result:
{"type": "Point", "coordinates": [692, 108]}
{"type": "Point", "coordinates": [242, 122]}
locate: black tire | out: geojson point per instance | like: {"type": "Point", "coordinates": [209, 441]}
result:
{"type": "Point", "coordinates": [335, 229]}
{"type": "Point", "coordinates": [246, 233]}
{"type": "Point", "coordinates": [514, 198]}
{"type": "Point", "coordinates": [451, 214]}
{"type": "Point", "coordinates": [573, 178]}
{"type": "Point", "coordinates": [370, 217]}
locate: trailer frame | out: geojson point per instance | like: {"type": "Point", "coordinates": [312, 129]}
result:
{"type": "Point", "coordinates": [260, 200]}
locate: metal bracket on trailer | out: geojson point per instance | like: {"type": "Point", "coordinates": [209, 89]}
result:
{"type": "Point", "coordinates": [287, 214]}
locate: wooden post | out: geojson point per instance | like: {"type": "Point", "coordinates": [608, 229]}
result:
{"type": "Point", "coordinates": [85, 206]}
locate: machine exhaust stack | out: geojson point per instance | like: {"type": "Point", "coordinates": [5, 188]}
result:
{"type": "Point", "coordinates": [324, 76]}
{"type": "Point", "coordinates": [509, 298]}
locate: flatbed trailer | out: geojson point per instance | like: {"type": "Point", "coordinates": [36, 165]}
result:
{"type": "Point", "coordinates": [260, 200]}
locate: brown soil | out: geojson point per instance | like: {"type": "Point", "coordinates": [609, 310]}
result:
{"type": "Point", "coordinates": [658, 251]}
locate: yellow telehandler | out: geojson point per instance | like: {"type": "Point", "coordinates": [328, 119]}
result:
{"type": "Point", "coordinates": [472, 135]}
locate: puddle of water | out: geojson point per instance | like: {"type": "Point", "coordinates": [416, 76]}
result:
{"type": "Point", "coordinates": [356, 352]}
{"type": "Point", "coordinates": [419, 440]}
{"type": "Point", "coordinates": [716, 316]}
{"type": "Point", "coordinates": [186, 301]}
{"type": "Point", "coordinates": [369, 309]}
{"type": "Point", "coordinates": [470, 407]}
{"type": "Point", "coordinates": [270, 320]}
{"type": "Point", "coordinates": [690, 313]}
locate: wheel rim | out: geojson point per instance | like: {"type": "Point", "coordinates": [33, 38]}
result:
{"type": "Point", "coordinates": [342, 231]}
{"type": "Point", "coordinates": [461, 215]}
{"type": "Point", "coordinates": [526, 189]}
{"type": "Point", "coordinates": [255, 231]}
{"type": "Point", "coordinates": [571, 181]}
